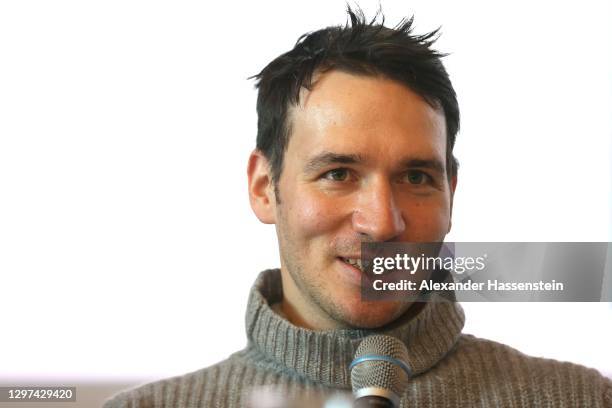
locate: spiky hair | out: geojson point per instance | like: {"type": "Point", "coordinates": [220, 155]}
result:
{"type": "Point", "coordinates": [360, 47]}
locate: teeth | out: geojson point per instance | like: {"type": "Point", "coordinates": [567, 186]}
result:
{"type": "Point", "coordinates": [354, 262]}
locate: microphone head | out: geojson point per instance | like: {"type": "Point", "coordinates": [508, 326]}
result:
{"type": "Point", "coordinates": [380, 368]}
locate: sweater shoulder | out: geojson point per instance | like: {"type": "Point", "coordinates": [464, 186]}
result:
{"type": "Point", "coordinates": [503, 365]}
{"type": "Point", "coordinates": [189, 389]}
{"type": "Point", "coordinates": [475, 345]}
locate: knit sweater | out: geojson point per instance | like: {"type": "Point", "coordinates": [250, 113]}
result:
{"type": "Point", "coordinates": [450, 369]}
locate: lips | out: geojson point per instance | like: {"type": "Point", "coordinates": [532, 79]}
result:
{"type": "Point", "coordinates": [355, 262]}
{"type": "Point", "coordinates": [355, 270]}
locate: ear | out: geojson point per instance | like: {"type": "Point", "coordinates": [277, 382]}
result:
{"type": "Point", "coordinates": [261, 189]}
{"type": "Point", "coordinates": [453, 186]}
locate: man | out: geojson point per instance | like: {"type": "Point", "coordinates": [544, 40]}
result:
{"type": "Point", "coordinates": [355, 136]}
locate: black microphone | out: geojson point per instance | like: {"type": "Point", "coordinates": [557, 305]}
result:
{"type": "Point", "coordinates": [379, 372]}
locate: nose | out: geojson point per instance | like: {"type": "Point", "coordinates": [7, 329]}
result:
{"type": "Point", "coordinates": [377, 214]}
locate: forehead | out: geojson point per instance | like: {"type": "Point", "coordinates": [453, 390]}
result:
{"type": "Point", "coordinates": [352, 113]}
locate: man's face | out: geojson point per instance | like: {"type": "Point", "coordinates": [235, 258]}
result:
{"type": "Point", "coordinates": [365, 162]}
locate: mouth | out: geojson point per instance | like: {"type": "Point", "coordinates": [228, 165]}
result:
{"type": "Point", "coordinates": [354, 262]}
{"type": "Point", "coordinates": [356, 270]}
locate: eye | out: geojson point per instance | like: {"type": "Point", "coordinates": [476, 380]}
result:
{"type": "Point", "coordinates": [337, 175]}
{"type": "Point", "coordinates": [417, 177]}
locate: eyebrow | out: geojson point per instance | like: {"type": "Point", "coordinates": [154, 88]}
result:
{"type": "Point", "coordinates": [432, 164]}
{"type": "Point", "coordinates": [327, 158]}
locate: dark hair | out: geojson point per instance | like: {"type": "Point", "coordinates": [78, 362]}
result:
{"type": "Point", "coordinates": [366, 48]}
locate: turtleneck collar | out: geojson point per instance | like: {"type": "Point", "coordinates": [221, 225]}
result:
{"type": "Point", "coordinates": [324, 356]}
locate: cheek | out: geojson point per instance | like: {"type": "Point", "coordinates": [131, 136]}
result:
{"type": "Point", "coordinates": [314, 215]}
{"type": "Point", "coordinates": [428, 220]}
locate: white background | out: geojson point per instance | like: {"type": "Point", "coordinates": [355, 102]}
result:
{"type": "Point", "coordinates": [127, 245]}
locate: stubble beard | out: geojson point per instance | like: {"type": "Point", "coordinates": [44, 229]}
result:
{"type": "Point", "coordinates": [311, 287]}
{"type": "Point", "coordinates": [311, 284]}
{"type": "Point", "coordinates": [317, 293]}
{"type": "Point", "coordinates": [316, 290]}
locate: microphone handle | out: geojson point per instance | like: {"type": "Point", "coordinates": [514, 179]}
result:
{"type": "Point", "coordinates": [372, 401]}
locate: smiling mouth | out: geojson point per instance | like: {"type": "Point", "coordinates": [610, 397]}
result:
{"type": "Point", "coordinates": [355, 262]}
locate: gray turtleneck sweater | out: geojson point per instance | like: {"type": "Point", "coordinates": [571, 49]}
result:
{"type": "Point", "coordinates": [450, 369]}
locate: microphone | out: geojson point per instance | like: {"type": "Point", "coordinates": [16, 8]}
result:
{"type": "Point", "coordinates": [379, 372]}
